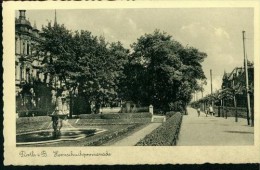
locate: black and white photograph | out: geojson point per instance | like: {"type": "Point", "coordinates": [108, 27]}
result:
{"type": "Point", "coordinates": [141, 78]}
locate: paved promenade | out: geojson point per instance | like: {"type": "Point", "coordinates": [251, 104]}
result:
{"type": "Point", "coordinates": [132, 139]}
{"type": "Point", "coordinates": [212, 131]}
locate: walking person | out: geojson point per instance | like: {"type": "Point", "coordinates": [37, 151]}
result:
{"type": "Point", "coordinates": [198, 110]}
{"type": "Point", "coordinates": [211, 110]}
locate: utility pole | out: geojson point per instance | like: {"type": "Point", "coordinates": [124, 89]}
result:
{"type": "Point", "coordinates": [211, 92]}
{"type": "Point", "coordinates": [246, 76]}
{"type": "Point", "coordinates": [234, 98]}
{"type": "Point", "coordinates": [211, 81]}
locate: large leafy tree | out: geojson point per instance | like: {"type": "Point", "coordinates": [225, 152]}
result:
{"type": "Point", "coordinates": [82, 61]}
{"type": "Point", "coordinates": [163, 72]}
{"type": "Point", "coordinates": [55, 53]}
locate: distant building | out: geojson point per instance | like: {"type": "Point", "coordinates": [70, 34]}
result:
{"type": "Point", "coordinates": [237, 79]}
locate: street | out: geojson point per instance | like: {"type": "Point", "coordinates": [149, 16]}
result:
{"type": "Point", "coordinates": [213, 131]}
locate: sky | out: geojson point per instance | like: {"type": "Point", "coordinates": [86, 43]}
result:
{"type": "Point", "coordinates": [215, 31]}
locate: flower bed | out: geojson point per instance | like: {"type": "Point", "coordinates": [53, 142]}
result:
{"type": "Point", "coordinates": [165, 135]}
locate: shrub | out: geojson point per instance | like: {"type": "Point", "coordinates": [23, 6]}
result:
{"type": "Point", "coordinates": [116, 116]}
{"type": "Point", "coordinates": [169, 114]}
{"type": "Point", "coordinates": [165, 135]}
{"type": "Point", "coordinates": [110, 116]}
{"type": "Point", "coordinates": [105, 138]}
{"type": "Point", "coordinates": [32, 113]}
{"type": "Point", "coordinates": [90, 116]}
{"type": "Point", "coordinates": [135, 115]}
{"type": "Point", "coordinates": [142, 109]}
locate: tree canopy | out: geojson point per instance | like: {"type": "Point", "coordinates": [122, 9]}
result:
{"type": "Point", "coordinates": [163, 72]}
{"type": "Point", "coordinates": [158, 71]}
{"type": "Point", "coordinates": [83, 61]}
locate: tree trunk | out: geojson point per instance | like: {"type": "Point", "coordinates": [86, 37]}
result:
{"type": "Point", "coordinates": [71, 105]}
{"type": "Point", "coordinates": [223, 108]}
{"type": "Point", "coordinates": [235, 105]}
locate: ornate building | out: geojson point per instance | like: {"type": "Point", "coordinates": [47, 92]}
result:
{"type": "Point", "coordinates": [32, 89]}
{"type": "Point", "coordinates": [26, 68]}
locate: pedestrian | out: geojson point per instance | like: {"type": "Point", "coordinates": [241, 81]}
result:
{"type": "Point", "coordinates": [198, 110]}
{"type": "Point", "coordinates": [211, 110]}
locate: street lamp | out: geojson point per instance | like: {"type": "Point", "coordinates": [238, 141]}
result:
{"type": "Point", "coordinates": [73, 94]}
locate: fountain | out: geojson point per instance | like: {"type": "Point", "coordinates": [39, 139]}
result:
{"type": "Point", "coordinates": [57, 123]}
{"type": "Point", "coordinates": [60, 114]}
{"type": "Point", "coordinates": [56, 134]}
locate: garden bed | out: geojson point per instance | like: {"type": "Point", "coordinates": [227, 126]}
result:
{"type": "Point", "coordinates": [165, 135]}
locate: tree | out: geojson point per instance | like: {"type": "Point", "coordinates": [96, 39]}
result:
{"type": "Point", "coordinates": [163, 72]}
{"type": "Point", "coordinates": [100, 66]}
{"type": "Point", "coordinates": [82, 62]}
{"type": "Point", "coordinates": [55, 52]}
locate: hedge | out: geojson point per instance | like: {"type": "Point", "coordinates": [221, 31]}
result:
{"type": "Point", "coordinates": [90, 116]}
{"type": "Point", "coordinates": [22, 120]}
{"type": "Point", "coordinates": [165, 135]}
{"type": "Point", "coordinates": [116, 115]}
{"type": "Point", "coordinates": [105, 138]}
{"type": "Point", "coordinates": [32, 113]}
{"type": "Point", "coordinates": [169, 114]}
{"type": "Point", "coordinates": [85, 122]}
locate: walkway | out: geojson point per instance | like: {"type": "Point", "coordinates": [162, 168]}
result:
{"type": "Point", "coordinates": [212, 131]}
{"type": "Point", "coordinates": [132, 139]}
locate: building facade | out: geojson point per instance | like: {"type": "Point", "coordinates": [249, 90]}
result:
{"type": "Point", "coordinates": [32, 89]}
{"type": "Point", "coordinates": [236, 80]}
{"type": "Point", "coordinates": [26, 66]}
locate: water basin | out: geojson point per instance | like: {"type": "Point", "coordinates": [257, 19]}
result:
{"type": "Point", "coordinates": [46, 136]}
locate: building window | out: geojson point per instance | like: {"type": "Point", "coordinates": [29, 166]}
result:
{"type": "Point", "coordinates": [21, 73]}
{"type": "Point", "coordinates": [23, 48]}
{"type": "Point", "coordinates": [27, 75]}
{"type": "Point", "coordinates": [15, 45]}
{"type": "Point", "coordinates": [28, 49]}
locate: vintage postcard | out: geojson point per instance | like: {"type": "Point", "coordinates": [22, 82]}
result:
{"type": "Point", "coordinates": [140, 82]}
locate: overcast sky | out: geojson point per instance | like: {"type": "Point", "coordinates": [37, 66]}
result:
{"type": "Point", "coordinates": [216, 31]}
